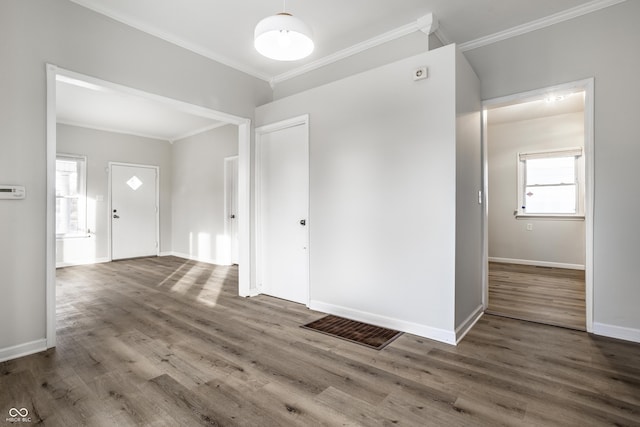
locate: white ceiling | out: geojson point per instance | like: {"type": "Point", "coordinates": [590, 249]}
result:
{"type": "Point", "coordinates": [551, 105]}
{"type": "Point", "coordinates": [223, 29]}
{"type": "Point", "coordinates": [89, 105]}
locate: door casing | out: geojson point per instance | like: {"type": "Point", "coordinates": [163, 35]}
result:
{"type": "Point", "coordinates": [586, 85]}
{"type": "Point", "coordinates": [302, 120]}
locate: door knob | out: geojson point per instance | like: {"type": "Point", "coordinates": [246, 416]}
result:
{"type": "Point", "coordinates": [303, 222]}
{"type": "Point", "coordinates": [116, 216]}
{"type": "Point", "coordinates": [233, 216]}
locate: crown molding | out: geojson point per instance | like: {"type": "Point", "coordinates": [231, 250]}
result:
{"type": "Point", "coordinates": [175, 40]}
{"type": "Point", "coordinates": [426, 24]}
{"type": "Point", "coordinates": [198, 131]}
{"type": "Point", "coordinates": [547, 21]}
{"type": "Point", "coordinates": [110, 129]}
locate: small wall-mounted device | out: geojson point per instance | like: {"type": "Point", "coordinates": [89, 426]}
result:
{"type": "Point", "coordinates": [12, 192]}
{"type": "Point", "coordinates": [420, 73]}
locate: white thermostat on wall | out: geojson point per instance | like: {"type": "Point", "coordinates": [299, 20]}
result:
{"type": "Point", "coordinates": [12, 192]}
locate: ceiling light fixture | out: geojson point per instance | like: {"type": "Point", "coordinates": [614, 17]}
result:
{"type": "Point", "coordinates": [283, 37]}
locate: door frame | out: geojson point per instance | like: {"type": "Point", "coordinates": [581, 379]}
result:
{"type": "Point", "coordinates": [302, 120]}
{"type": "Point", "coordinates": [586, 85]}
{"type": "Point", "coordinates": [227, 208]}
{"type": "Point", "coordinates": [244, 181]}
{"type": "Point", "coordinates": [110, 202]}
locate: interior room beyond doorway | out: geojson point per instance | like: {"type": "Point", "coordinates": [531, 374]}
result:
{"type": "Point", "coordinates": [536, 159]}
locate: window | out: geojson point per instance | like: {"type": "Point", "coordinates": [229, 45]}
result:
{"type": "Point", "coordinates": [71, 205]}
{"type": "Point", "coordinates": [551, 183]}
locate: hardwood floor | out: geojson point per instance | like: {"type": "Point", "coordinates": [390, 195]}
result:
{"type": "Point", "coordinates": [166, 342]}
{"type": "Point", "coordinates": [553, 296]}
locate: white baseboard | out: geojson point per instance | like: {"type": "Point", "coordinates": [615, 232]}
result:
{"type": "Point", "coordinates": [21, 350]}
{"type": "Point", "coordinates": [437, 334]}
{"type": "Point", "coordinates": [619, 332]}
{"type": "Point", "coordinates": [86, 262]}
{"type": "Point", "coordinates": [537, 263]}
{"type": "Point", "coordinates": [468, 323]}
{"type": "Point", "coordinates": [194, 258]}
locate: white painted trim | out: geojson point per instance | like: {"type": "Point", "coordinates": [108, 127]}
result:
{"type": "Point", "coordinates": [198, 131]}
{"type": "Point", "coordinates": [283, 124]}
{"type": "Point", "coordinates": [22, 350]}
{"type": "Point", "coordinates": [468, 323]}
{"type": "Point", "coordinates": [50, 238]}
{"type": "Point", "coordinates": [537, 263]}
{"type": "Point", "coordinates": [619, 332]}
{"type": "Point", "coordinates": [485, 211]}
{"type": "Point", "coordinates": [586, 85]}
{"type": "Point", "coordinates": [442, 335]}
{"type": "Point", "coordinates": [302, 120]}
{"type": "Point", "coordinates": [171, 38]}
{"type": "Point", "coordinates": [589, 196]}
{"type": "Point", "coordinates": [538, 24]}
{"type": "Point", "coordinates": [246, 262]}
{"type": "Point", "coordinates": [89, 262]}
{"type": "Point", "coordinates": [444, 39]}
{"type": "Point", "coordinates": [111, 130]}
{"type": "Point", "coordinates": [185, 107]}
{"type": "Point", "coordinates": [418, 25]}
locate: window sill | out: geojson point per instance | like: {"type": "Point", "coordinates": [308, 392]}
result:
{"type": "Point", "coordinates": [73, 236]}
{"type": "Point", "coordinates": [551, 217]}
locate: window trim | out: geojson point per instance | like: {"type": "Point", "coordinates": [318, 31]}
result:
{"type": "Point", "coordinates": [578, 153]}
{"type": "Point", "coordinates": [82, 196]}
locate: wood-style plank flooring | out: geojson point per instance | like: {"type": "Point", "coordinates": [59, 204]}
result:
{"type": "Point", "coordinates": [553, 296]}
{"type": "Point", "coordinates": [166, 342]}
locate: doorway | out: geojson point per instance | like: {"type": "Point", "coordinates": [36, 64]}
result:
{"type": "Point", "coordinates": [282, 191]}
{"type": "Point", "coordinates": [55, 75]}
{"type": "Point", "coordinates": [134, 207]}
{"type": "Point", "coordinates": [538, 175]}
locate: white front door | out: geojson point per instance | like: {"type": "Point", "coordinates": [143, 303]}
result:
{"type": "Point", "coordinates": [283, 181]}
{"type": "Point", "coordinates": [134, 204]}
{"type": "Point", "coordinates": [231, 206]}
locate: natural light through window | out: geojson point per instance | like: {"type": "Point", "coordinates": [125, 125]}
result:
{"type": "Point", "coordinates": [550, 183]}
{"type": "Point", "coordinates": [71, 207]}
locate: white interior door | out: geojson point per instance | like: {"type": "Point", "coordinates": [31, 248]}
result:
{"type": "Point", "coordinates": [283, 181]}
{"type": "Point", "coordinates": [134, 204]}
{"type": "Point", "coordinates": [231, 203]}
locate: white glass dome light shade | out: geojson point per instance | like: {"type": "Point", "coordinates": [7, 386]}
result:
{"type": "Point", "coordinates": [283, 37]}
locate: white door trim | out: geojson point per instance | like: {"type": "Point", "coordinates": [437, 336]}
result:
{"type": "Point", "coordinates": [244, 182]}
{"type": "Point", "coordinates": [260, 131]}
{"type": "Point", "coordinates": [587, 85]}
{"type": "Point", "coordinates": [110, 166]}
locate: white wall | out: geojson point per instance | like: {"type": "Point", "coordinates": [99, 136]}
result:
{"type": "Point", "coordinates": [409, 45]}
{"type": "Point", "coordinates": [551, 240]}
{"type": "Point", "coordinates": [602, 45]}
{"type": "Point", "coordinates": [100, 148]}
{"type": "Point", "coordinates": [468, 288]}
{"type": "Point", "coordinates": [198, 194]}
{"type": "Point", "coordinates": [382, 193]}
{"type": "Point", "coordinates": [33, 33]}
